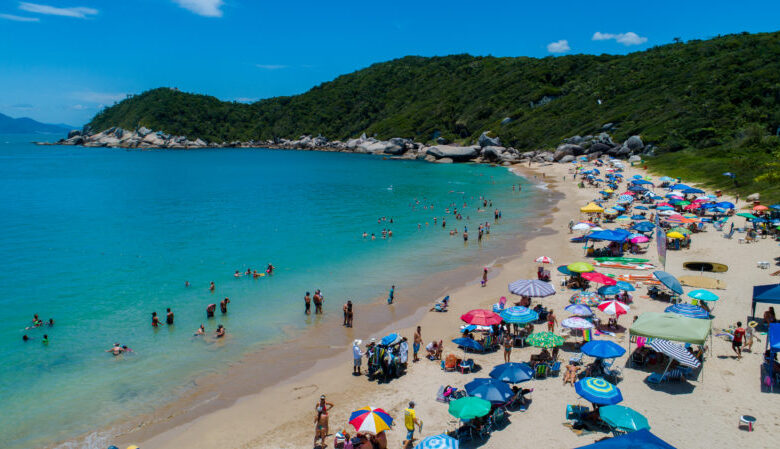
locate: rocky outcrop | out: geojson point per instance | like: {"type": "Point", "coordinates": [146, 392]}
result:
{"type": "Point", "coordinates": [487, 141]}
{"type": "Point", "coordinates": [459, 154]}
{"type": "Point", "coordinates": [634, 143]}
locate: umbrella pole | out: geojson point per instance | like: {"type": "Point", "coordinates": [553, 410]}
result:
{"type": "Point", "coordinates": [667, 367]}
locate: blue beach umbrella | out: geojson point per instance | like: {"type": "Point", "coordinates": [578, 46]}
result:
{"type": "Point", "coordinates": [775, 206]}
{"type": "Point", "coordinates": [608, 290]}
{"type": "Point", "coordinates": [468, 343]}
{"type": "Point", "coordinates": [619, 208]}
{"type": "Point", "coordinates": [640, 207]}
{"type": "Point", "coordinates": [638, 217]}
{"type": "Point", "coordinates": [725, 205]}
{"type": "Point", "coordinates": [390, 339]}
{"type": "Point", "coordinates": [665, 179]}
{"type": "Point", "coordinates": [680, 187]}
{"type": "Point", "coordinates": [637, 177]}
{"type": "Point", "coordinates": [689, 311]}
{"type": "Point", "coordinates": [691, 190]}
{"type": "Point", "coordinates": [703, 295]}
{"type": "Point", "coordinates": [492, 390]}
{"type": "Point", "coordinates": [637, 189]}
{"type": "Point", "coordinates": [598, 391]}
{"type": "Point", "coordinates": [623, 418]}
{"type": "Point", "coordinates": [579, 310]}
{"type": "Point", "coordinates": [563, 270]}
{"type": "Point", "coordinates": [625, 286]}
{"type": "Point", "coordinates": [519, 315]}
{"type": "Point", "coordinates": [469, 328]}
{"type": "Point", "coordinates": [644, 226]}
{"type": "Point", "coordinates": [438, 442]}
{"type": "Point", "coordinates": [512, 372]}
{"type": "Point", "coordinates": [669, 281]}
{"type": "Point", "coordinates": [665, 208]}
{"type": "Point", "coordinates": [602, 349]}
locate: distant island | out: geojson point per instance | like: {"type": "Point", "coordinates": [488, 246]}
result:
{"type": "Point", "coordinates": [24, 125]}
{"type": "Point", "coordinates": [704, 107]}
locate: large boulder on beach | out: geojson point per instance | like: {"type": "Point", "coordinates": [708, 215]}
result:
{"type": "Point", "coordinates": [528, 155]}
{"type": "Point", "coordinates": [73, 133]}
{"type": "Point", "coordinates": [487, 141]}
{"type": "Point", "coordinates": [567, 149]}
{"type": "Point", "coordinates": [574, 140]}
{"type": "Point", "coordinates": [605, 139]}
{"type": "Point", "coordinates": [444, 160]}
{"type": "Point", "coordinates": [566, 159]}
{"type": "Point", "coordinates": [634, 143]}
{"type": "Point", "coordinates": [599, 147]}
{"type": "Point", "coordinates": [453, 152]}
{"type": "Point", "coordinates": [492, 153]}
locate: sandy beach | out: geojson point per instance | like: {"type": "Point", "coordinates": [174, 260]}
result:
{"type": "Point", "coordinates": [699, 413]}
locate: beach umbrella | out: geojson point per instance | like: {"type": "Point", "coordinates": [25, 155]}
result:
{"type": "Point", "coordinates": [703, 295]}
{"type": "Point", "coordinates": [469, 408]}
{"type": "Point", "coordinates": [438, 442]}
{"type": "Point", "coordinates": [619, 208]}
{"type": "Point", "coordinates": [623, 218]}
{"type": "Point", "coordinates": [370, 420]}
{"type": "Point", "coordinates": [586, 298]}
{"type": "Point", "coordinates": [681, 230]}
{"type": "Point", "coordinates": [544, 340]}
{"type": "Point", "coordinates": [638, 217]}
{"type": "Point", "coordinates": [641, 207]}
{"type": "Point", "coordinates": [679, 187]}
{"type": "Point", "coordinates": [611, 211]}
{"type": "Point", "coordinates": [636, 177]}
{"type": "Point", "coordinates": [614, 307]}
{"type": "Point", "coordinates": [512, 372]}
{"type": "Point", "coordinates": [481, 317]}
{"type": "Point", "coordinates": [692, 190]}
{"type": "Point", "coordinates": [598, 391]}
{"type": "Point", "coordinates": [747, 215]}
{"type": "Point", "coordinates": [623, 418]}
{"type": "Point", "coordinates": [725, 205]}
{"type": "Point", "coordinates": [644, 226]}
{"type": "Point", "coordinates": [469, 328]}
{"type": "Point", "coordinates": [639, 239]}
{"type": "Point", "coordinates": [580, 267]}
{"type": "Point", "coordinates": [492, 390]}
{"type": "Point", "coordinates": [390, 339]}
{"type": "Point", "coordinates": [468, 343]}
{"type": "Point", "coordinates": [625, 286]}
{"type": "Point", "coordinates": [579, 310]}
{"type": "Point", "coordinates": [563, 270]}
{"type": "Point", "coordinates": [669, 281]}
{"type": "Point", "coordinates": [519, 315]}
{"type": "Point", "coordinates": [598, 278]}
{"type": "Point", "coordinates": [675, 351]}
{"type": "Point", "coordinates": [531, 287]}
{"type": "Point", "coordinates": [544, 259]}
{"type": "Point", "coordinates": [760, 208]}
{"type": "Point", "coordinates": [608, 290]}
{"type": "Point", "coordinates": [576, 322]}
{"type": "Point", "coordinates": [692, 207]}
{"type": "Point", "coordinates": [581, 227]}
{"type": "Point", "coordinates": [675, 235]}
{"type": "Point", "coordinates": [688, 310]}
{"type": "Point", "coordinates": [665, 179]}
{"type": "Point", "coordinates": [602, 349]}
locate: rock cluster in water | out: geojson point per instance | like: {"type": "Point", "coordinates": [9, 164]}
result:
{"type": "Point", "coordinates": [487, 150]}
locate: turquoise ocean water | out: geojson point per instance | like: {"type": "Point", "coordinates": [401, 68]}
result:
{"type": "Point", "coordinates": [99, 238]}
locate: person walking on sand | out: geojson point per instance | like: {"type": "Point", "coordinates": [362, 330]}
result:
{"type": "Point", "coordinates": [223, 305]}
{"type": "Point", "coordinates": [552, 320]}
{"type": "Point", "coordinates": [417, 343]}
{"type": "Point", "coordinates": [736, 343]}
{"type": "Point", "coordinates": [357, 357]}
{"type": "Point", "coordinates": [508, 342]}
{"type": "Point", "coordinates": [410, 420]}
{"type": "Point", "coordinates": [321, 421]}
{"type": "Point", "coordinates": [307, 301]}
{"type": "Point", "coordinates": [484, 277]}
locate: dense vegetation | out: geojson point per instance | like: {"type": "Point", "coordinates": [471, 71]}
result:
{"type": "Point", "coordinates": [701, 97]}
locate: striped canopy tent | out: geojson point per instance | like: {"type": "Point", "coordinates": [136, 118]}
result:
{"type": "Point", "coordinates": [675, 352]}
{"type": "Point", "coordinates": [531, 287]}
{"type": "Point", "coordinates": [671, 327]}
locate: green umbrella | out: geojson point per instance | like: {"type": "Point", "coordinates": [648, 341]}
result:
{"type": "Point", "coordinates": [469, 407]}
{"type": "Point", "coordinates": [623, 418]}
{"type": "Point", "coordinates": [544, 340]}
{"type": "Point", "coordinates": [580, 267]}
{"type": "Point", "coordinates": [681, 230]}
{"type": "Point", "coordinates": [746, 215]}
{"type": "Point", "coordinates": [683, 203]}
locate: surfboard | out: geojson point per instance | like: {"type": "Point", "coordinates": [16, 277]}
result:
{"type": "Point", "coordinates": [622, 259]}
{"type": "Point", "coordinates": [706, 266]}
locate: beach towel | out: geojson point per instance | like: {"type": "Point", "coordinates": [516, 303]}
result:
{"type": "Point", "coordinates": [640, 341]}
{"type": "Point", "coordinates": [586, 335]}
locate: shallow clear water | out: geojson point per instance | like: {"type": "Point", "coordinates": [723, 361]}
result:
{"type": "Point", "coordinates": [99, 238]}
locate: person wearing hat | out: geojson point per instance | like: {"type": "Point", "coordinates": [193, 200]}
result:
{"type": "Point", "coordinates": [410, 419]}
{"type": "Point", "coordinates": [357, 357]}
{"type": "Point", "coordinates": [750, 334]}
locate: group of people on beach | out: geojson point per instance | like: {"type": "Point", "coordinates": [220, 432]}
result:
{"type": "Point", "coordinates": [318, 299]}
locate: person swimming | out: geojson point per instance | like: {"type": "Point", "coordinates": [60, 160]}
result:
{"type": "Point", "coordinates": [212, 287]}
{"type": "Point", "coordinates": [116, 349]}
{"type": "Point", "coordinates": [221, 331]}
{"type": "Point", "coordinates": [45, 339]}
{"type": "Point", "coordinates": [236, 274]}
{"type": "Point", "coordinates": [270, 269]}
{"type": "Point", "coordinates": [201, 331]}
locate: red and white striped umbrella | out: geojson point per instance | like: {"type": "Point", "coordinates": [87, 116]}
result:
{"type": "Point", "coordinates": [544, 259]}
{"type": "Point", "coordinates": [614, 307]}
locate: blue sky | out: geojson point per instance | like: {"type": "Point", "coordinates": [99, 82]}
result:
{"type": "Point", "coordinates": [62, 60]}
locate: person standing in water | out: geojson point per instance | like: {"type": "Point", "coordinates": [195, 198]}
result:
{"type": "Point", "coordinates": [210, 310]}
{"type": "Point", "coordinates": [317, 302]}
{"type": "Point", "coordinates": [391, 295]}
{"type": "Point", "coordinates": [307, 302]}
{"type": "Point", "coordinates": [155, 320]}
{"type": "Point", "coordinates": [223, 305]}
{"type": "Point", "coordinates": [270, 269]}
{"type": "Point", "coordinates": [484, 277]}
{"type": "Point", "coordinates": [212, 287]}
{"type": "Point", "coordinates": [169, 317]}
{"type": "Point", "coordinates": [349, 313]}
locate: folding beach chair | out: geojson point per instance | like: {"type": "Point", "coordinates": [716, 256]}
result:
{"type": "Point", "coordinates": [555, 369]}
{"type": "Point", "coordinates": [541, 371]}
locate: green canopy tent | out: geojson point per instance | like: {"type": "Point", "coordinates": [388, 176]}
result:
{"type": "Point", "coordinates": [672, 327]}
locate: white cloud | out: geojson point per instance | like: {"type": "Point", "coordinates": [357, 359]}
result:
{"type": "Point", "coordinates": [79, 12]}
{"type": "Point", "coordinates": [626, 39]}
{"type": "Point", "coordinates": [560, 46]}
{"type": "Point", "coordinates": [98, 97]}
{"type": "Point", "coordinates": [206, 8]}
{"type": "Point", "coordinates": [245, 100]}
{"type": "Point", "coordinates": [79, 107]}
{"type": "Point", "coordinates": [19, 18]}
{"type": "Point", "coordinates": [270, 66]}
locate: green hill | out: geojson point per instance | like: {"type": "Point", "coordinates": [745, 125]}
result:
{"type": "Point", "coordinates": [718, 98]}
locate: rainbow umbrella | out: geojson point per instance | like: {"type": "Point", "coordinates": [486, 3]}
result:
{"type": "Point", "coordinates": [370, 420]}
{"type": "Point", "coordinates": [586, 298]}
{"type": "Point", "coordinates": [544, 340]}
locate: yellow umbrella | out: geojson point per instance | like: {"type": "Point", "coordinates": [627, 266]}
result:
{"type": "Point", "coordinates": [609, 190]}
{"type": "Point", "coordinates": [675, 235]}
{"type": "Point", "coordinates": [592, 208]}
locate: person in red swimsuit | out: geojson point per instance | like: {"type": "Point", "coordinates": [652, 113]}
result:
{"type": "Point", "coordinates": [739, 336]}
